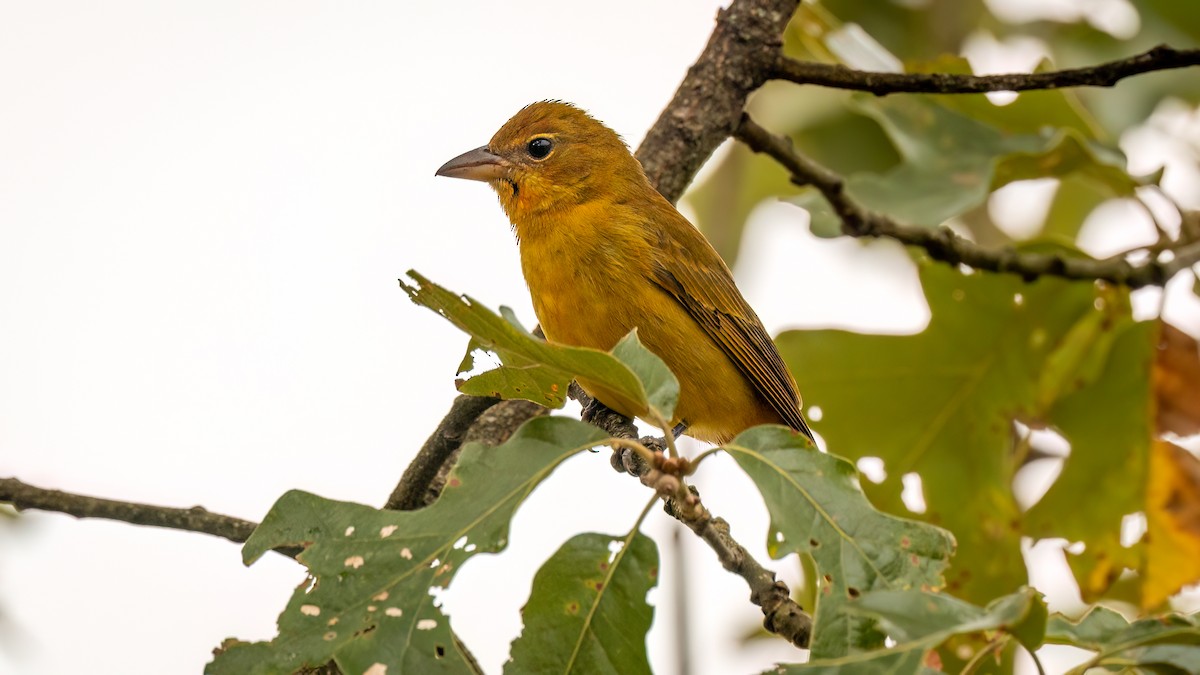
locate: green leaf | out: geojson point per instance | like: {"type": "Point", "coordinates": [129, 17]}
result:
{"type": "Point", "coordinates": [369, 602]}
{"type": "Point", "coordinates": [942, 403]}
{"type": "Point", "coordinates": [920, 621]}
{"type": "Point", "coordinates": [1109, 425]}
{"type": "Point", "coordinates": [1168, 643]}
{"type": "Point", "coordinates": [587, 612]}
{"type": "Point", "coordinates": [634, 380]}
{"type": "Point", "coordinates": [909, 616]}
{"type": "Point", "coordinates": [878, 662]}
{"type": "Point", "coordinates": [952, 162]}
{"type": "Point", "coordinates": [515, 377]}
{"type": "Point", "coordinates": [818, 509]}
{"type": "Point", "coordinates": [1074, 200]}
{"type": "Point", "coordinates": [659, 383]}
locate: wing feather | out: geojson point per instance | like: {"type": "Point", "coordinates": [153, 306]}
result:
{"type": "Point", "coordinates": [705, 289]}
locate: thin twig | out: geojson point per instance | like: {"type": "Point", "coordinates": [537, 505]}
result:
{"type": "Point", "coordinates": [944, 245]}
{"type": "Point", "coordinates": [1107, 74]}
{"type": "Point", "coordinates": [196, 519]}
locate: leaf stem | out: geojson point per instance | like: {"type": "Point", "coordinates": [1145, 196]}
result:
{"type": "Point", "coordinates": [977, 660]}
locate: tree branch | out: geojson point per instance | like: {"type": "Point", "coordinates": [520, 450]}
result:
{"type": "Point", "coordinates": [439, 447]}
{"type": "Point", "coordinates": [1107, 74]}
{"type": "Point", "coordinates": [705, 109]}
{"type": "Point", "coordinates": [944, 245]}
{"type": "Point", "coordinates": [196, 519]}
{"type": "Point", "coordinates": [781, 615]}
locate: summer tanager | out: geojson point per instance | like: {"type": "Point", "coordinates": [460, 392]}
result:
{"type": "Point", "coordinates": [603, 252]}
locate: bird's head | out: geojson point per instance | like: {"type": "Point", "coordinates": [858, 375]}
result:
{"type": "Point", "coordinates": [550, 157]}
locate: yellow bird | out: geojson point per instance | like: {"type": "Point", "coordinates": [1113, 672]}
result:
{"type": "Point", "coordinates": [603, 252]}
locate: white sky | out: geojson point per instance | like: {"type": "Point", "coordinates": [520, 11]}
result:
{"type": "Point", "coordinates": [203, 211]}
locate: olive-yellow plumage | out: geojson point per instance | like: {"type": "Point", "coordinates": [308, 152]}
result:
{"type": "Point", "coordinates": [603, 252]}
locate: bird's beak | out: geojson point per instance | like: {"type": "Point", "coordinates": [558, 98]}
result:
{"type": "Point", "coordinates": [477, 164]}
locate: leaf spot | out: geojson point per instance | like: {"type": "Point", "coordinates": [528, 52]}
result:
{"type": "Point", "coordinates": [406, 553]}
{"type": "Point", "coordinates": [380, 597]}
{"type": "Point", "coordinates": [355, 561]}
{"type": "Point", "coordinates": [349, 530]}
{"type": "Point", "coordinates": [393, 611]}
{"type": "Point", "coordinates": [310, 610]}
{"type": "Point", "coordinates": [331, 635]}
{"type": "Point", "coordinates": [371, 608]}
{"type": "Point", "coordinates": [376, 669]}
{"type": "Point", "coordinates": [814, 543]}
{"type": "Point", "coordinates": [440, 651]}
{"type": "Point", "coordinates": [573, 608]}
{"type": "Point", "coordinates": [333, 621]}
{"type": "Point", "coordinates": [386, 532]}
{"type": "Point", "coordinates": [853, 592]}
{"type": "Point", "coordinates": [426, 624]}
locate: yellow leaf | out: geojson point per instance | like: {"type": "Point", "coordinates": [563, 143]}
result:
{"type": "Point", "coordinates": [1172, 544]}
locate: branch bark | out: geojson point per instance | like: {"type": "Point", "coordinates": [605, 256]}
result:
{"type": "Point", "coordinates": [196, 519]}
{"type": "Point", "coordinates": [1107, 74]}
{"type": "Point", "coordinates": [943, 244]}
{"type": "Point", "coordinates": [737, 60]}
{"type": "Point", "coordinates": [438, 449]}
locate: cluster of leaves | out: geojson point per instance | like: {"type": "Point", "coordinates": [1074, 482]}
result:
{"type": "Point", "coordinates": [953, 404]}
{"type": "Point", "coordinates": [368, 608]}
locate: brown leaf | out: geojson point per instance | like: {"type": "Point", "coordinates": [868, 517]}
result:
{"type": "Point", "coordinates": [1177, 382]}
{"type": "Point", "coordinates": [1172, 543]}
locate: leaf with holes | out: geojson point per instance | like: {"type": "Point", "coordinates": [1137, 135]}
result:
{"type": "Point", "coordinates": [369, 605]}
{"type": "Point", "coordinates": [631, 378]}
{"type": "Point", "coordinates": [941, 404]}
{"type": "Point", "coordinates": [920, 621]}
{"type": "Point", "coordinates": [587, 612]}
{"type": "Point", "coordinates": [818, 509]}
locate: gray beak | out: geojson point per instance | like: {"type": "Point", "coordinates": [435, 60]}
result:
{"type": "Point", "coordinates": [477, 164]}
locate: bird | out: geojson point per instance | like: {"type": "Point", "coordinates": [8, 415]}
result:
{"type": "Point", "coordinates": [604, 253]}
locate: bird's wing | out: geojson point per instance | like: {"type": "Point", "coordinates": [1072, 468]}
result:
{"type": "Point", "coordinates": [693, 273]}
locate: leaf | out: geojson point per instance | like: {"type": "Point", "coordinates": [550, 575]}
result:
{"type": "Point", "coordinates": [587, 612]}
{"type": "Point", "coordinates": [1172, 523]}
{"type": "Point", "coordinates": [1171, 640]}
{"type": "Point", "coordinates": [626, 378]}
{"type": "Point", "coordinates": [369, 601]}
{"type": "Point", "coordinates": [942, 403]}
{"type": "Point", "coordinates": [952, 162]}
{"type": "Point", "coordinates": [1177, 382]}
{"type": "Point", "coordinates": [818, 509]}
{"type": "Point", "coordinates": [1074, 200]}
{"type": "Point", "coordinates": [920, 621]}
{"type": "Point", "coordinates": [1108, 424]}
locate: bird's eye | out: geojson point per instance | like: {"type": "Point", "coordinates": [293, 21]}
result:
{"type": "Point", "coordinates": [538, 148]}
